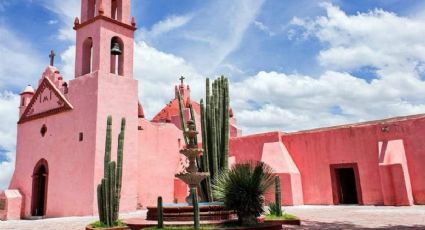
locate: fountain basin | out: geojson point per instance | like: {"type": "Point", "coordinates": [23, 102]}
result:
{"type": "Point", "coordinates": [184, 212]}
{"type": "Point", "coordinates": [193, 179]}
{"type": "Point", "coordinates": [191, 153]}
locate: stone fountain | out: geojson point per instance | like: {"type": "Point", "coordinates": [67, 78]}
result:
{"type": "Point", "coordinates": [190, 174]}
{"type": "Point", "coordinates": [184, 211]}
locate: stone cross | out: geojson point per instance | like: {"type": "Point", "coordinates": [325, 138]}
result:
{"type": "Point", "coordinates": [182, 79]}
{"type": "Point", "coordinates": [52, 57]}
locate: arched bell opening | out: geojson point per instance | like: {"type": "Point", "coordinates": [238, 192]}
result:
{"type": "Point", "coordinates": [39, 188]}
{"type": "Point", "coordinates": [117, 56]}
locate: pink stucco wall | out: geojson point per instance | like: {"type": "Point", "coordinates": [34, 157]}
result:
{"type": "Point", "coordinates": [314, 151]}
{"type": "Point", "coordinates": [159, 161]}
{"type": "Point", "coordinates": [395, 179]}
{"type": "Point", "coordinates": [12, 205]}
{"type": "Point", "coordinates": [64, 153]}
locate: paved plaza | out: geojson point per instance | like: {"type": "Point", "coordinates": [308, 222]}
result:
{"type": "Point", "coordinates": [314, 217]}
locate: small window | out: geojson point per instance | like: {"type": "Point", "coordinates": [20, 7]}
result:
{"type": "Point", "coordinates": [81, 137]}
{"type": "Point", "coordinates": [43, 130]}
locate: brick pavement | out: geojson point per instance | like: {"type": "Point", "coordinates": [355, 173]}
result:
{"type": "Point", "coordinates": [314, 217]}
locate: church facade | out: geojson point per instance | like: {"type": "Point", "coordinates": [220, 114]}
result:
{"type": "Point", "coordinates": [62, 126]}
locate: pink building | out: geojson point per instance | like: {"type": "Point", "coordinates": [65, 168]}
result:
{"type": "Point", "coordinates": [61, 138]}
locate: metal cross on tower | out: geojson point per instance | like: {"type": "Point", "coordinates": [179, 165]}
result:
{"type": "Point", "coordinates": [182, 79]}
{"type": "Point", "coordinates": [52, 57]}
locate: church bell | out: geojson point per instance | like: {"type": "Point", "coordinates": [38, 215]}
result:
{"type": "Point", "coordinates": [116, 50]}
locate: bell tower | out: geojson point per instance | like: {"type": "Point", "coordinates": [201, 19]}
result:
{"type": "Point", "coordinates": [104, 86]}
{"type": "Point", "coordinates": [105, 36]}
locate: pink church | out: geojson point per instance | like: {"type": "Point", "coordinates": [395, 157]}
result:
{"type": "Point", "coordinates": [62, 126]}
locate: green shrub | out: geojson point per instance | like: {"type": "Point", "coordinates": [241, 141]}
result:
{"type": "Point", "coordinates": [275, 209]}
{"type": "Point", "coordinates": [242, 189]}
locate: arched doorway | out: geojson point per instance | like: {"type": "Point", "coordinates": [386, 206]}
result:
{"type": "Point", "coordinates": [39, 188]}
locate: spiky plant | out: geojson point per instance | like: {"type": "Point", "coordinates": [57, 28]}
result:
{"type": "Point", "coordinates": [109, 190]}
{"type": "Point", "coordinates": [242, 189]}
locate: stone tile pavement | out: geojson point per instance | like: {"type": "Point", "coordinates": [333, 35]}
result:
{"type": "Point", "coordinates": [359, 217]}
{"type": "Point", "coordinates": [313, 217]}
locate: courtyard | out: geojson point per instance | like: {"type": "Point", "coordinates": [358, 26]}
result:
{"type": "Point", "coordinates": [313, 217]}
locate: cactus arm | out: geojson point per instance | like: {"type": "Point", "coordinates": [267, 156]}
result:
{"type": "Point", "coordinates": [108, 143]}
{"type": "Point", "coordinates": [278, 196]}
{"type": "Point", "coordinates": [99, 203]}
{"type": "Point", "coordinates": [112, 187]}
{"type": "Point", "coordinates": [226, 126]}
{"type": "Point", "coordinates": [181, 109]}
{"type": "Point", "coordinates": [120, 153]}
{"type": "Point", "coordinates": [214, 143]}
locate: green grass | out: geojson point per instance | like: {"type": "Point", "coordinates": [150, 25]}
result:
{"type": "Point", "coordinates": [285, 216]}
{"type": "Point", "coordinates": [100, 225]}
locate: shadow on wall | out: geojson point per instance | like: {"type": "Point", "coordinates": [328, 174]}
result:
{"type": "Point", "coordinates": [344, 225]}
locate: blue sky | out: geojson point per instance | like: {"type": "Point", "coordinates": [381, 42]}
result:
{"type": "Point", "coordinates": [293, 64]}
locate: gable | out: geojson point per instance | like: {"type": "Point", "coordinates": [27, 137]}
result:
{"type": "Point", "coordinates": [48, 100]}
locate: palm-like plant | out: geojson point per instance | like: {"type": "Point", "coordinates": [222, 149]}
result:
{"type": "Point", "coordinates": [242, 189]}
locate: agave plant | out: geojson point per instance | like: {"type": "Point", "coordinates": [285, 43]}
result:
{"type": "Point", "coordinates": [242, 189]}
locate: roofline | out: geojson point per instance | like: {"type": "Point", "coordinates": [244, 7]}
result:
{"type": "Point", "coordinates": [360, 124]}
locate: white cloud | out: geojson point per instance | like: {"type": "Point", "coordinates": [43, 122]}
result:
{"type": "Point", "coordinates": [52, 22]}
{"type": "Point", "coordinates": [158, 73]}
{"type": "Point", "coordinates": [263, 28]}
{"type": "Point", "coordinates": [169, 24]}
{"type": "Point", "coordinates": [276, 101]}
{"type": "Point", "coordinates": [6, 169]}
{"type": "Point", "coordinates": [68, 63]}
{"type": "Point", "coordinates": [9, 103]}
{"type": "Point", "coordinates": [378, 38]}
{"type": "Point", "coordinates": [66, 12]}
{"type": "Point", "coordinates": [391, 45]}
{"type": "Point", "coordinates": [19, 54]}
{"type": "Point", "coordinates": [208, 37]}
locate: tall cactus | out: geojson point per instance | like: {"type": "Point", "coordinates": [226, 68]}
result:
{"type": "Point", "coordinates": [181, 109]}
{"type": "Point", "coordinates": [196, 217]}
{"type": "Point", "coordinates": [215, 131]}
{"type": "Point", "coordinates": [278, 196]}
{"type": "Point", "coordinates": [160, 213]}
{"type": "Point", "coordinates": [109, 190]}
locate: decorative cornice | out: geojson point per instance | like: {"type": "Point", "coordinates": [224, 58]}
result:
{"type": "Point", "coordinates": [46, 83]}
{"type": "Point", "coordinates": [100, 17]}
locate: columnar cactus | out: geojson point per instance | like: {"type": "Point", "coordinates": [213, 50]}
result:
{"type": "Point", "coordinates": [109, 190]}
{"type": "Point", "coordinates": [278, 196]}
{"type": "Point", "coordinates": [181, 109]}
{"type": "Point", "coordinates": [196, 218]}
{"type": "Point", "coordinates": [215, 131]}
{"type": "Point", "coordinates": [160, 213]}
